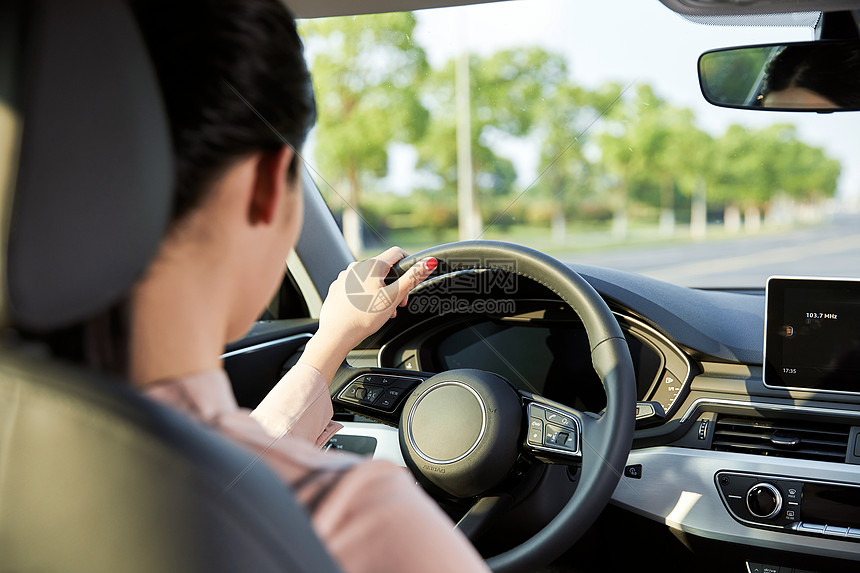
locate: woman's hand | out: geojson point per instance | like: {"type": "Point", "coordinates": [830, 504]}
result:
{"type": "Point", "coordinates": [358, 304]}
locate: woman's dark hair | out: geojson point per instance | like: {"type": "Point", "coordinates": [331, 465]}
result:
{"type": "Point", "coordinates": [234, 81]}
{"type": "Point", "coordinates": [831, 69]}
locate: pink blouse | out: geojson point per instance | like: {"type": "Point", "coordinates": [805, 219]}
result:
{"type": "Point", "coordinates": [369, 514]}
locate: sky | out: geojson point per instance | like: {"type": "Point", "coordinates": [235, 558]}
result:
{"type": "Point", "coordinates": [627, 41]}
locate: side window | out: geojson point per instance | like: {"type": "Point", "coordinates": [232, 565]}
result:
{"type": "Point", "coordinates": [288, 302]}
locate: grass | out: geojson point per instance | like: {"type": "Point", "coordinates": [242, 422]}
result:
{"type": "Point", "coordinates": [580, 238]}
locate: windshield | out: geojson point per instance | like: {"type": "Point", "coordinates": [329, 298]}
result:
{"type": "Point", "coordinates": [578, 129]}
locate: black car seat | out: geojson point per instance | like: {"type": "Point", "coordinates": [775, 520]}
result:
{"type": "Point", "coordinates": [93, 477]}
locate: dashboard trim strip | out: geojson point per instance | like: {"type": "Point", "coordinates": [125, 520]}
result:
{"type": "Point", "coordinates": [764, 406]}
{"type": "Point", "coordinates": [662, 337]}
{"type": "Point", "coordinates": [687, 380]}
{"type": "Point", "coordinates": [267, 344]}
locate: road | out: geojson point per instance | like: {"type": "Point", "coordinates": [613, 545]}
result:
{"type": "Point", "coordinates": [830, 250]}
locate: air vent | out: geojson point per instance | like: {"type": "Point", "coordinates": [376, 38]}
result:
{"type": "Point", "coordinates": [782, 438]}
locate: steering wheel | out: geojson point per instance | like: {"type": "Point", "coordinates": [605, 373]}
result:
{"type": "Point", "coordinates": [463, 430]}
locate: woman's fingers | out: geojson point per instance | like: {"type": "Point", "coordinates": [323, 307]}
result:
{"type": "Point", "coordinates": [392, 256]}
{"type": "Point", "coordinates": [399, 289]}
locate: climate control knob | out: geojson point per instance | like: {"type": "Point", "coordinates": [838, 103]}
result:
{"type": "Point", "coordinates": [764, 500]}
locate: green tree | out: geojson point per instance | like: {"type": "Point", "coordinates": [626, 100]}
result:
{"type": "Point", "coordinates": [651, 151]}
{"type": "Point", "coordinates": [671, 155]}
{"type": "Point", "coordinates": [806, 173]}
{"type": "Point", "coordinates": [752, 167]}
{"type": "Point", "coordinates": [367, 71]}
{"type": "Point", "coordinates": [627, 145]}
{"type": "Point", "coordinates": [507, 92]}
{"type": "Point", "coordinates": [567, 178]}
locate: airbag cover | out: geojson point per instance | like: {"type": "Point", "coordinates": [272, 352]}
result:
{"type": "Point", "coordinates": [459, 431]}
{"type": "Point", "coordinates": [447, 422]}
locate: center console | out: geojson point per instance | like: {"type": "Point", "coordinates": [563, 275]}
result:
{"type": "Point", "coordinates": [788, 504]}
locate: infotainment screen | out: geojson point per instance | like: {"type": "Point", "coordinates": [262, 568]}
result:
{"type": "Point", "coordinates": [812, 334]}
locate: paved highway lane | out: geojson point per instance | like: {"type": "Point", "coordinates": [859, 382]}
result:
{"type": "Point", "coordinates": [747, 261]}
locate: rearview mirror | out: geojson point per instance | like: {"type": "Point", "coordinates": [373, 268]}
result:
{"type": "Point", "coordinates": [819, 76]}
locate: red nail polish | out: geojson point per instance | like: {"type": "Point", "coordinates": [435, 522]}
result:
{"type": "Point", "coordinates": [431, 264]}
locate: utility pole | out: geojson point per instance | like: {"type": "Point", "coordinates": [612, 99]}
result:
{"type": "Point", "coordinates": [468, 214]}
{"type": "Point", "coordinates": [699, 211]}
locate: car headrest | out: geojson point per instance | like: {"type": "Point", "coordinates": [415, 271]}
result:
{"type": "Point", "coordinates": [91, 195]}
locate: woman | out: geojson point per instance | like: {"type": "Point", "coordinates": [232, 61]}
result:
{"type": "Point", "coordinates": [817, 75]}
{"type": "Point", "coordinates": [240, 103]}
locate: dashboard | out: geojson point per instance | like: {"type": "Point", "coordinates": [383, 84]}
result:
{"type": "Point", "coordinates": [719, 454]}
{"type": "Point", "coordinates": [543, 349]}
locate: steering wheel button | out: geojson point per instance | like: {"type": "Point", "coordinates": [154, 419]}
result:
{"type": "Point", "coordinates": [552, 435]}
{"type": "Point", "coordinates": [535, 437]}
{"type": "Point", "coordinates": [559, 419]}
{"type": "Point", "coordinates": [536, 411]}
{"type": "Point", "coordinates": [566, 440]}
{"type": "Point", "coordinates": [349, 393]}
{"type": "Point", "coordinates": [536, 424]}
{"type": "Point", "coordinates": [372, 393]}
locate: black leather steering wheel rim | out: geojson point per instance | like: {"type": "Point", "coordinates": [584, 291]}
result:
{"type": "Point", "coordinates": [606, 449]}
